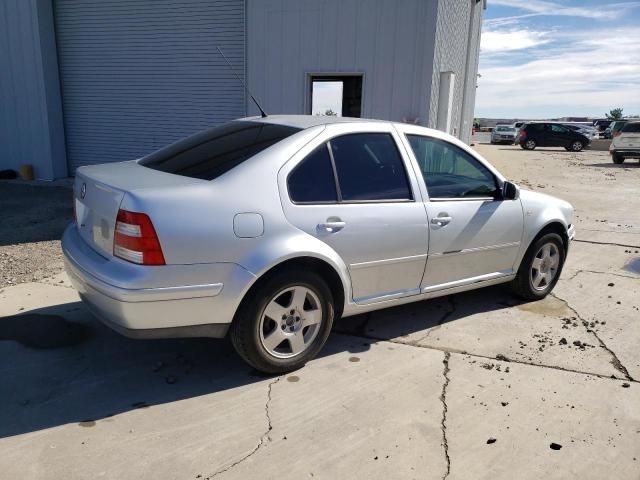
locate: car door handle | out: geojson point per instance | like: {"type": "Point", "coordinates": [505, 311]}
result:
{"type": "Point", "coordinates": [332, 226]}
{"type": "Point", "coordinates": [441, 221]}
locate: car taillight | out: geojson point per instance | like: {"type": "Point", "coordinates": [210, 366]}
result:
{"type": "Point", "coordinates": [136, 240]}
{"type": "Point", "coordinates": [522, 134]}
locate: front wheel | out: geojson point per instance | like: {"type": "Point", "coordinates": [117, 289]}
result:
{"type": "Point", "coordinates": [577, 146]}
{"type": "Point", "coordinates": [284, 322]}
{"type": "Point", "coordinates": [540, 268]}
{"type": "Point", "coordinates": [618, 159]}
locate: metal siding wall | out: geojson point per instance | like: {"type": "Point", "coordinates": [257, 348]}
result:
{"type": "Point", "coordinates": [30, 111]}
{"type": "Point", "coordinates": [450, 54]}
{"type": "Point", "coordinates": [472, 74]}
{"type": "Point", "coordinates": [139, 74]}
{"type": "Point", "coordinates": [390, 41]}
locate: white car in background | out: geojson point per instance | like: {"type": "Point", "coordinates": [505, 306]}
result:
{"type": "Point", "coordinates": [626, 144]}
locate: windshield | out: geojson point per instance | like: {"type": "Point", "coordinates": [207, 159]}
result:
{"type": "Point", "coordinates": [505, 129]}
{"type": "Point", "coordinates": [209, 154]}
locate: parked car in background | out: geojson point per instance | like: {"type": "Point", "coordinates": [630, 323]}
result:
{"type": "Point", "coordinates": [503, 134]}
{"type": "Point", "coordinates": [601, 124]}
{"type": "Point", "coordinates": [586, 130]}
{"type": "Point", "coordinates": [344, 216]}
{"type": "Point", "coordinates": [549, 134]}
{"type": "Point", "coordinates": [626, 143]}
{"type": "Point", "coordinates": [614, 128]}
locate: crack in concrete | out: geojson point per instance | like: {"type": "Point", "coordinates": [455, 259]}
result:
{"type": "Point", "coordinates": [615, 361]}
{"type": "Point", "coordinates": [445, 409]}
{"type": "Point", "coordinates": [443, 319]}
{"type": "Point", "coordinates": [602, 273]}
{"type": "Point", "coordinates": [263, 437]}
{"type": "Point", "coordinates": [606, 243]}
{"type": "Point", "coordinates": [486, 357]}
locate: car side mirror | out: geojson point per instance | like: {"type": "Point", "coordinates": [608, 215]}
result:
{"type": "Point", "coordinates": [510, 191]}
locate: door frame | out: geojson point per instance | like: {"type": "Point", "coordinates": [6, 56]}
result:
{"type": "Point", "coordinates": [308, 84]}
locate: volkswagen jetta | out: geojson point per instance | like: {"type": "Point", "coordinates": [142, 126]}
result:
{"type": "Point", "coordinates": [270, 229]}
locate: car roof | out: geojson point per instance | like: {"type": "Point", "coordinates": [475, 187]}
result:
{"type": "Point", "coordinates": [308, 121]}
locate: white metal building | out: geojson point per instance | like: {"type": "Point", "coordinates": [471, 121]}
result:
{"type": "Point", "coordinates": [91, 81]}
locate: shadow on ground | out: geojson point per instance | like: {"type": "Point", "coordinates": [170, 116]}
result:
{"type": "Point", "coordinates": [626, 164]}
{"type": "Point", "coordinates": [62, 366]}
{"type": "Point", "coordinates": [33, 213]}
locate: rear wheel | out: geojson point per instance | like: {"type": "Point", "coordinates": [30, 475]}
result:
{"type": "Point", "coordinates": [284, 322]}
{"type": "Point", "coordinates": [530, 144]}
{"type": "Point", "coordinates": [540, 268]}
{"type": "Point", "coordinates": [617, 158]}
{"type": "Point", "coordinates": [577, 145]}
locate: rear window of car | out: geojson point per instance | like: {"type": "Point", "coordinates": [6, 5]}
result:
{"type": "Point", "coordinates": [536, 127]}
{"type": "Point", "coordinates": [211, 153]}
{"type": "Point", "coordinates": [631, 128]}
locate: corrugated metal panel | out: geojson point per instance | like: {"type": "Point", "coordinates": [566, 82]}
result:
{"type": "Point", "coordinates": [450, 55]}
{"type": "Point", "coordinates": [139, 74]}
{"type": "Point", "coordinates": [390, 42]}
{"type": "Point", "coordinates": [30, 110]}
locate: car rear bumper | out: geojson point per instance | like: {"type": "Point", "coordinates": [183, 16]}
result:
{"type": "Point", "coordinates": [632, 152]}
{"type": "Point", "coordinates": [155, 302]}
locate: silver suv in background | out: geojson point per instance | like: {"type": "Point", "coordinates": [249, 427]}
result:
{"type": "Point", "coordinates": [503, 134]}
{"type": "Point", "coordinates": [626, 143]}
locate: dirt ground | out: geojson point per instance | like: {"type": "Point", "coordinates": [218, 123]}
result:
{"type": "Point", "coordinates": [472, 386]}
{"type": "Point", "coordinates": [33, 219]}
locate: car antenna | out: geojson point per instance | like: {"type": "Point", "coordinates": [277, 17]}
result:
{"type": "Point", "coordinates": [262, 112]}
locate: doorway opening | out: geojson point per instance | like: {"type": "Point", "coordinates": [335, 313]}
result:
{"type": "Point", "coordinates": [339, 95]}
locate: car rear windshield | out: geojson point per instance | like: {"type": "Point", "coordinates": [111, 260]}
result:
{"type": "Point", "coordinates": [211, 153]}
{"type": "Point", "coordinates": [631, 128]}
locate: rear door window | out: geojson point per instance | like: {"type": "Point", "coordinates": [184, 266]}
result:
{"type": "Point", "coordinates": [369, 167]}
{"type": "Point", "coordinates": [313, 180]}
{"type": "Point", "coordinates": [209, 154]}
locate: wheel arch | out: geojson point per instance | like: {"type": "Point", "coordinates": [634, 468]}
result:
{"type": "Point", "coordinates": [323, 268]}
{"type": "Point", "coordinates": [553, 226]}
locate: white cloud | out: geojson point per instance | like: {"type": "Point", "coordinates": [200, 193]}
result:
{"type": "Point", "coordinates": [509, 40]}
{"type": "Point", "coordinates": [544, 7]}
{"type": "Point", "coordinates": [577, 73]}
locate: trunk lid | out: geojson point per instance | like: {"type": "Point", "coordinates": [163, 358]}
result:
{"type": "Point", "coordinates": [629, 140]}
{"type": "Point", "coordinates": [99, 191]}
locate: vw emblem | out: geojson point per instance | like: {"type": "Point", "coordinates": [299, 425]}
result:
{"type": "Point", "coordinates": [83, 190]}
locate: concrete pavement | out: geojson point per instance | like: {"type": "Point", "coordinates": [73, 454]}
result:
{"type": "Point", "coordinates": [471, 386]}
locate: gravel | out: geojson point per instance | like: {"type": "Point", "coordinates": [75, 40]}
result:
{"type": "Point", "coordinates": [33, 219]}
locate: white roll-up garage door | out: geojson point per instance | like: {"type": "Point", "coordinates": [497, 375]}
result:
{"type": "Point", "coordinates": [138, 74]}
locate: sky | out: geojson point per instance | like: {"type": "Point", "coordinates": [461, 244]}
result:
{"type": "Point", "coordinates": [556, 58]}
{"type": "Point", "coordinates": [326, 96]}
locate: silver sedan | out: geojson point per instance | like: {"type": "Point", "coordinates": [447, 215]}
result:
{"type": "Point", "coordinates": [270, 229]}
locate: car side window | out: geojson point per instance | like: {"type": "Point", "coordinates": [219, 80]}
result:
{"type": "Point", "coordinates": [313, 181]}
{"type": "Point", "coordinates": [449, 171]}
{"type": "Point", "coordinates": [558, 128]}
{"type": "Point", "coordinates": [369, 168]}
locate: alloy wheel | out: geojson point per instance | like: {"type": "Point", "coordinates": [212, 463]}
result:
{"type": "Point", "coordinates": [290, 322]}
{"type": "Point", "coordinates": [544, 267]}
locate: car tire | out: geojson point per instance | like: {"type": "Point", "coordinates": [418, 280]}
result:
{"type": "Point", "coordinates": [530, 144]}
{"type": "Point", "coordinates": [535, 286]}
{"type": "Point", "coordinates": [576, 146]}
{"type": "Point", "coordinates": [252, 326]}
{"type": "Point", "coordinates": [617, 158]}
